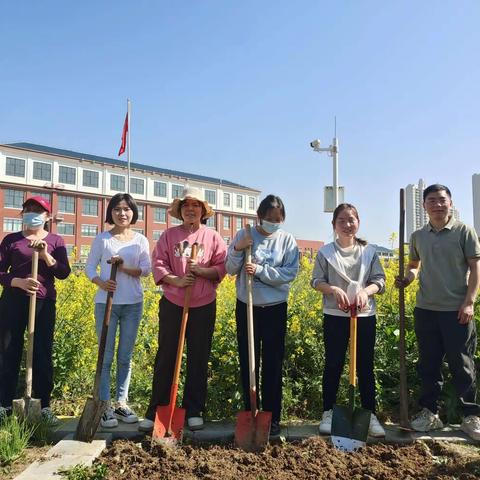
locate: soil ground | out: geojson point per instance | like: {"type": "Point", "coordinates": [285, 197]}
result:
{"type": "Point", "coordinates": [313, 458]}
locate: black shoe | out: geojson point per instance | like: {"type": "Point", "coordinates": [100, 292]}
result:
{"type": "Point", "coordinates": [275, 429]}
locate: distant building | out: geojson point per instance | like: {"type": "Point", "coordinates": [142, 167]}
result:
{"type": "Point", "coordinates": [385, 253]}
{"type": "Point", "coordinates": [415, 215]}
{"type": "Point", "coordinates": [79, 185]}
{"type": "Point", "coordinates": [476, 201]}
{"type": "Point", "coordinates": [309, 247]}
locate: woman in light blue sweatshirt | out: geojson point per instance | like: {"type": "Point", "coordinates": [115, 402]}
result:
{"type": "Point", "coordinates": [274, 266]}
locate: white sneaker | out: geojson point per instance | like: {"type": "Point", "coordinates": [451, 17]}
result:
{"type": "Point", "coordinates": [375, 429]}
{"type": "Point", "coordinates": [49, 417]}
{"type": "Point", "coordinates": [426, 420]}
{"type": "Point", "coordinates": [195, 423]}
{"type": "Point", "coordinates": [146, 425]}
{"type": "Point", "coordinates": [125, 414]}
{"type": "Point", "coordinates": [108, 419]}
{"type": "Point", "coordinates": [471, 426]}
{"type": "Point", "coordinates": [325, 427]}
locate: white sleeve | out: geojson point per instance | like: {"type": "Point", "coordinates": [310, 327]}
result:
{"type": "Point", "coordinates": [94, 258]}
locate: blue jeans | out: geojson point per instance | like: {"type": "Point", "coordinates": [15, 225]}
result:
{"type": "Point", "coordinates": [127, 319]}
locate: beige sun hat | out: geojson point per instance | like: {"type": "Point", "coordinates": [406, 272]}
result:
{"type": "Point", "coordinates": [193, 193]}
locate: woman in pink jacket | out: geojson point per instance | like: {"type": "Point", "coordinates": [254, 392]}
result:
{"type": "Point", "coordinates": [174, 270]}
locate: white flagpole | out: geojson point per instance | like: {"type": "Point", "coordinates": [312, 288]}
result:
{"type": "Point", "coordinates": [129, 113]}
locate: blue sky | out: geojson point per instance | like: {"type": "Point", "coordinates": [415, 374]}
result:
{"type": "Point", "coordinates": [238, 90]}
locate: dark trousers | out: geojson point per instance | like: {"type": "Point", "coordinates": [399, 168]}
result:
{"type": "Point", "coordinates": [14, 307]}
{"type": "Point", "coordinates": [269, 326]}
{"type": "Point", "coordinates": [439, 335]}
{"type": "Point", "coordinates": [198, 337]}
{"type": "Point", "coordinates": [336, 335]}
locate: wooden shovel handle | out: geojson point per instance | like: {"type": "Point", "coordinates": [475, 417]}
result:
{"type": "Point", "coordinates": [31, 329]}
{"type": "Point", "coordinates": [353, 346]}
{"type": "Point", "coordinates": [115, 262]}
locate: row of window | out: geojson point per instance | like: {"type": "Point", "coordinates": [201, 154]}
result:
{"type": "Point", "coordinates": [68, 175]}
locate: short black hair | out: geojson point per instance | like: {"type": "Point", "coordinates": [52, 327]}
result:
{"type": "Point", "coordinates": [270, 201]}
{"type": "Point", "coordinates": [436, 187]}
{"type": "Point", "coordinates": [115, 200]}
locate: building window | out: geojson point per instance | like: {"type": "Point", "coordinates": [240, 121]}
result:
{"type": "Point", "coordinates": [160, 215]}
{"type": "Point", "coordinates": [177, 191]}
{"type": "Point", "coordinates": [117, 183]}
{"type": "Point", "coordinates": [160, 189]}
{"type": "Point", "coordinates": [226, 222]}
{"type": "Point", "coordinates": [138, 230]}
{"type": "Point", "coordinates": [141, 211]}
{"type": "Point", "coordinates": [251, 222]}
{"type": "Point", "coordinates": [211, 221]}
{"type": "Point", "coordinates": [89, 230]}
{"type": "Point", "coordinates": [70, 249]}
{"type": "Point", "coordinates": [15, 167]}
{"type": "Point", "coordinates": [251, 203]}
{"type": "Point", "coordinates": [12, 225]}
{"type": "Point", "coordinates": [42, 171]}
{"type": "Point", "coordinates": [90, 178]}
{"type": "Point", "coordinates": [239, 223]}
{"type": "Point", "coordinates": [211, 197]}
{"type": "Point", "coordinates": [13, 198]}
{"type": "Point", "coordinates": [90, 207]}
{"type": "Point", "coordinates": [157, 234]}
{"type": "Point", "coordinates": [226, 199]}
{"type": "Point", "coordinates": [66, 204]}
{"type": "Point", "coordinates": [176, 221]}
{"type": "Point", "coordinates": [66, 229]}
{"type": "Point", "coordinates": [44, 195]}
{"type": "Point", "coordinates": [67, 175]}
{"type": "Point", "coordinates": [84, 251]}
{"type": "Point", "coordinates": [239, 201]}
{"type": "Point", "coordinates": [226, 240]}
{"type": "Point", "coordinates": [137, 185]}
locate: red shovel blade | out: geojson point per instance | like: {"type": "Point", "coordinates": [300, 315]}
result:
{"type": "Point", "coordinates": [161, 433]}
{"type": "Point", "coordinates": [252, 432]}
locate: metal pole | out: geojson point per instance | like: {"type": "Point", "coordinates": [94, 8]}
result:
{"type": "Point", "coordinates": [335, 171]}
{"type": "Point", "coordinates": [129, 126]}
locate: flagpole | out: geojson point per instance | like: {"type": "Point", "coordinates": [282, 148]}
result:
{"type": "Point", "coordinates": [128, 144]}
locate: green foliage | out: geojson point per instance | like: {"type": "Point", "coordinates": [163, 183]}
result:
{"type": "Point", "coordinates": [82, 472]}
{"type": "Point", "coordinates": [75, 349]}
{"type": "Point", "coordinates": [14, 437]}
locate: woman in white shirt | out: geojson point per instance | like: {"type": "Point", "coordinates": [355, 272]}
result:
{"type": "Point", "coordinates": [127, 309]}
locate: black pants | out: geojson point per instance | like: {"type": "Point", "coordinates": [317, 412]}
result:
{"type": "Point", "coordinates": [13, 322]}
{"type": "Point", "coordinates": [336, 335]}
{"type": "Point", "coordinates": [439, 335]}
{"type": "Point", "coordinates": [199, 333]}
{"type": "Point", "coordinates": [270, 326]}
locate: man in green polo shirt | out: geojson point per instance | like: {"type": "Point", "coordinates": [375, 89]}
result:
{"type": "Point", "coordinates": [445, 255]}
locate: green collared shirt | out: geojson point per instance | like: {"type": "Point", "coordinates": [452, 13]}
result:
{"type": "Point", "coordinates": [444, 268]}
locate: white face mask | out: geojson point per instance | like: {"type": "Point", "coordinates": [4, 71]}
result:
{"type": "Point", "coordinates": [270, 227]}
{"type": "Point", "coordinates": [33, 219]}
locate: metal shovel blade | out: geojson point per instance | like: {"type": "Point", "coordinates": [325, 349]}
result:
{"type": "Point", "coordinates": [27, 408]}
{"type": "Point", "coordinates": [252, 432]}
{"type": "Point", "coordinates": [90, 420]}
{"type": "Point", "coordinates": [161, 433]}
{"type": "Point", "coordinates": [350, 427]}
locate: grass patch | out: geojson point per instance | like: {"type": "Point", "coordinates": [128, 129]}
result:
{"type": "Point", "coordinates": [82, 472]}
{"type": "Point", "coordinates": [14, 437]}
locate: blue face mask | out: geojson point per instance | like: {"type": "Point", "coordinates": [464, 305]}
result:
{"type": "Point", "coordinates": [33, 219]}
{"type": "Point", "coordinates": [270, 227]}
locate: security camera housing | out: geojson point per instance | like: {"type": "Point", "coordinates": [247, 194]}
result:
{"type": "Point", "coordinates": [315, 144]}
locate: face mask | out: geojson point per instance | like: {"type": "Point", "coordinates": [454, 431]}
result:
{"type": "Point", "coordinates": [33, 219]}
{"type": "Point", "coordinates": [270, 227]}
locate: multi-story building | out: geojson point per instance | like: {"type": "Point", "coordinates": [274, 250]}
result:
{"type": "Point", "coordinates": [415, 215]}
{"type": "Point", "coordinates": [476, 201]}
{"type": "Point", "coordinates": [79, 185]}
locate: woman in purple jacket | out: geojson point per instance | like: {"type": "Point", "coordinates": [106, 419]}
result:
{"type": "Point", "coordinates": [15, 277]}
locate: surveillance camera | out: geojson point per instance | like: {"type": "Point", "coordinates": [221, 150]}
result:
{"type": "Point", "coordinates": [315, 144]}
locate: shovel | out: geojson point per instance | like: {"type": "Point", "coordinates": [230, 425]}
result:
{"type": "Point", "coordinates": [27, 407]}
{"type": "Point", "coordinates": [350, 424]}
{"type": "Point", "coordinates": [253, 427]}
{"type": "Point", "coordinates": [169, 419]}
{"type": "Point", "coordinates": [94, 407]}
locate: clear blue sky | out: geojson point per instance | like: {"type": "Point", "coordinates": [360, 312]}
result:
{"type": "Point", "coordinates": [238, 90]}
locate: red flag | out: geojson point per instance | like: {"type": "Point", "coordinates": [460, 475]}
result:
{"type": "Point", "coordinates": [124, 136]}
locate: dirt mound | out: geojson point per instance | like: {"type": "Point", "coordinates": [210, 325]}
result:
{"type": "Point", "coordinates": [311, 459]}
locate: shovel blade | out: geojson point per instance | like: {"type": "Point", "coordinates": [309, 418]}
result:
{"type": "Point", "coordinates": [350, 427]}
{"type": "Point", "coordinates": [252, 432]}
{"type": "Point", "coordinates": [90, 420]}
{"type": "Point", "coordinates": [161, 433]}
{"type": "Point", "coordinates": [29, 409]}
